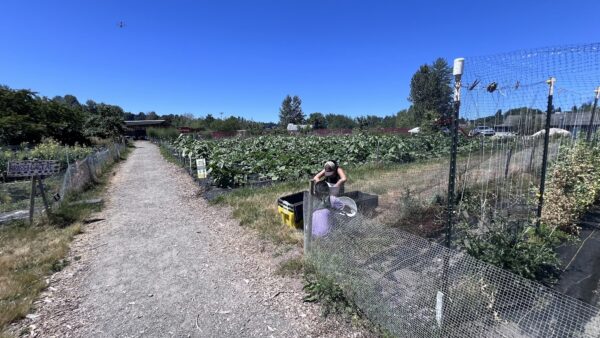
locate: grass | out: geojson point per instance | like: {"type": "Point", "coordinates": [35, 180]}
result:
{"type": "Point", "coordinates": [291, 267]}
{"type": "Point", "coordinates": [166, 153]}
{"type": "Point", "coordinates": [257, 207]}
{"type": "Point", "coordinates": [15, 195]}
{"type": "Point", "coordinates": [30, 253]}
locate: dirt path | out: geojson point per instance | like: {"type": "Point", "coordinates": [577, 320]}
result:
{"type": "Point", "coordinates": [163, 263]}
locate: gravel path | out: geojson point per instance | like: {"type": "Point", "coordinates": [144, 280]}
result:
{"type": "Point", "coordinates": [164, 263]}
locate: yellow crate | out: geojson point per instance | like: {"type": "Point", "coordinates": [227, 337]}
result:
{"type": "Point", "coordinates": [288, 217]}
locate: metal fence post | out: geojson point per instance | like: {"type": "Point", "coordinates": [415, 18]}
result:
{"type": "Point", "coordinates": [549, 112]}
{"type": "Point", "coordinates": [441, 305]}
{"type": "Point", "coordinates": [32, 199]}
{"type": "Point", "coordinates": [308, 206]}
{"type": "Point", "coordinates": [591, 125]}
{"type": "Point", "coordinates": [508, 156]}
{"type": "Point", "coordinates": [458, 68]}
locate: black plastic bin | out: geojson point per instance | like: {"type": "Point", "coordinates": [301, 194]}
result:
{"type": "Point", "coordinates": [291, 209]}
{"type": "Point", "coordinates": [366, 203]}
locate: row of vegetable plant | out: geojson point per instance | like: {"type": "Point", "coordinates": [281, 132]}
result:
{"type": "Point", "coordinates": [230, 162]}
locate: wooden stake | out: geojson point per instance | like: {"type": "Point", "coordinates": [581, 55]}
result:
{"type": "Point", "coordinates": [44, 198]}
{"type": "Point", "coordinates": [32, 199]}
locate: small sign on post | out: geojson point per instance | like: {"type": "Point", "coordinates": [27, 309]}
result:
{"type": "Point", "coordinates": [201, 168]}
{"type": "Point", "coordinates": [37, 170]}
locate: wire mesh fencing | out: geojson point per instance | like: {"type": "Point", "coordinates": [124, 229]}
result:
{"type": "Point", "coordinates": [389, 259]}
{"type": "Point", "coordinates": [75, 178]}
{"type": "Point", "coordinates": [412, 287]}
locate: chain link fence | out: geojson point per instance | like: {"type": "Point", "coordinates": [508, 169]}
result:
{"type": "Point", "coordinates": [75, 178]}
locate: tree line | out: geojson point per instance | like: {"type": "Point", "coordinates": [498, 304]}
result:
{"type": "Point", "coordinates": [430, 97]}
{"type": "Point", "coordinates": [26, 116]}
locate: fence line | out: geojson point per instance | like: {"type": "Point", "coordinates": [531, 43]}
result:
{"type": "Point", "coordinates": [74, 179]}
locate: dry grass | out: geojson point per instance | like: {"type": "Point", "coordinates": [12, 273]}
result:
{"type": "Point", "coordinates": [29, 254]}
{"type": "Point", "coordinates": [406, 192]}
{"type": "Point", "coordinates": [257, 208]}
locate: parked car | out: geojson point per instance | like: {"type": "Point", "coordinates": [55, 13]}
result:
{"type": "Point", "coordinates": [482, 130]}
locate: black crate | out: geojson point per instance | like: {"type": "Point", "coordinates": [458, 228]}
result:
{"type": "Point", "coordinates": [294, 203]}
{"type": "Point", "coordinates": [366, 203]}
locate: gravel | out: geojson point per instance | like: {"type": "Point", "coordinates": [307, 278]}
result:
{"type": "Point", "coordinates": [161, 262]}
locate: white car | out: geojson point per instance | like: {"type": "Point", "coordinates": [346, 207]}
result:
{"type": "Point", "coordinates": [482, 130]}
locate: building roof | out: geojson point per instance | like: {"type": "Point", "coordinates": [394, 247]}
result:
{"type": "Point", "coordinates": [144, 122]}
{"type": "Point", "coordinates": [556, 120]}
{"type": "Point", "coordinates": [574, 119]}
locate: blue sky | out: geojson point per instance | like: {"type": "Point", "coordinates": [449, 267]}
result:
{"type": "Point", "coordinates": [242, 57]}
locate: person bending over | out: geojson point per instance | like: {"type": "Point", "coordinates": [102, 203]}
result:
{"type": "Point", "coordinates": [334, 176]}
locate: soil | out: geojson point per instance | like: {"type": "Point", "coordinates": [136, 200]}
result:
{"type": "Point", "coordinates": [160, 261]}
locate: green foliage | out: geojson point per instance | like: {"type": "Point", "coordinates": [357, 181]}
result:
{"type": "Point", "coordinates": [26, 117]}
{"type": "Point", "coordinates": [317, 121]}
{"type": "Point", "coordinates": [431, 92]}
{"type": "Point", "coordinates": [338, 121]}
{"type": "Point", "coordinates": [49, 149]}
{"type": "Point", "coordinates": [524, 253]}
{"type": "Point", "coordinates": [104, 120]}
{"type": "Point", "coordinates": [573, 187]}
{"type": "Point", "coordinates": [406, 119]}
{"type": "Point", "coordinates": [21, 120]}
{"type": "Point", "coordinates": [282, 158]}
{"type": "Point", "coordinates": [324, 290]}
{"type": "Point", "coordinates": [503, 237]}
{"type": "Point", "coordinates": [168, 134]}
{"type": "Point", "coordinates": [291, 111]}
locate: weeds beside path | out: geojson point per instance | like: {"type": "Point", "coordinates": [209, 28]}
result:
{"type": "Point", "coordinates": [29, 254]}
{"type": "Point", "coordinates": [162, 262]}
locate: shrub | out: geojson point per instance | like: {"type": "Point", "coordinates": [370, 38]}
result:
{"type": "Point", "coordinates": [573, 186]}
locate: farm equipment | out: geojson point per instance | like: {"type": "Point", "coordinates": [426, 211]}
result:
{"type": "Point", "coordinates": [291, 206]}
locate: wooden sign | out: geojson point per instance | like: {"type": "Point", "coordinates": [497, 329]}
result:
{"type": "Point", "coordinates": [32, 168]}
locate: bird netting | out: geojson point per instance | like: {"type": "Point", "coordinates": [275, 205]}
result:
{"type": "Point", "coordinates": [389, 260]}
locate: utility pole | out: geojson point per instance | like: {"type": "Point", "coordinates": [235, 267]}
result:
{"type": "Point", "coordinates": [549, 111]}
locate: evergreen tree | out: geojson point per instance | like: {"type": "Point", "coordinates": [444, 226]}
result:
{"type": "Point", "coordinates": [317, 121]}
{"type": "Point", "coordinates": [297, 116]}
{"type": "Point", "coordinates": [285, 111]}
{"type": "Point", "coordinates": [431, 92]}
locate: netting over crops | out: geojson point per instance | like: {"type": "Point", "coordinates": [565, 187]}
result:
{"type": "Point", "coordinates": [509, 93]}
{"type": "Point", "coordinates": [390, 260]}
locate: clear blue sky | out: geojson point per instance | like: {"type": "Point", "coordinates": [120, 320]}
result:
{"type": "Point", "coordinates": [243, 57]}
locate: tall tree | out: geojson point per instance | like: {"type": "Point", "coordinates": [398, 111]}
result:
{"type": "Point", "coordinates": [105, 121]}
{"type": "Point", "coordinates": [21, 120]}
{"type": "Point", "coordinates": [431, 92]}
{"type": "Point", "coordinates": [297, 113]}
{"type": "Point", "coordinates": [286, 111]}
{"type": "Point", "coordinates": [339, 121]}
{"type": "Point", "coordinates": [317, 121]}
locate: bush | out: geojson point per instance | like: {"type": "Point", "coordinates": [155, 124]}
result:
{"type": "Point", "coordinates": [49, 149]}
{"type": "Point", "coordinates": [573, 186]}
{"type": "Point", "coordinates": [524, 253]}
{"type": "Point", "coordinates": [167, 134]}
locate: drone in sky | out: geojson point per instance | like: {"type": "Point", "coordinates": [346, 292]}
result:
{"type": "Point", "coordinates": [121, 24]}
